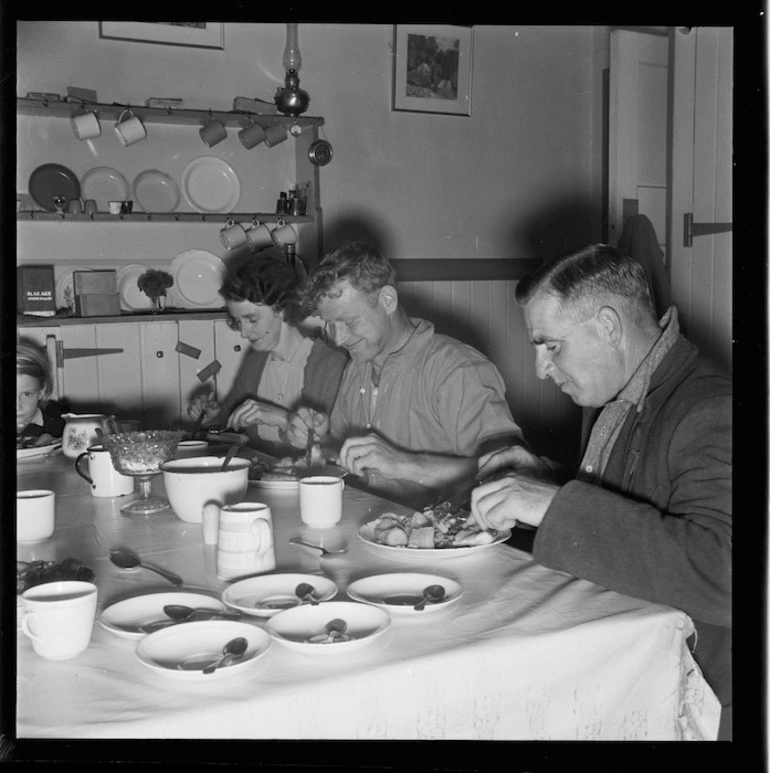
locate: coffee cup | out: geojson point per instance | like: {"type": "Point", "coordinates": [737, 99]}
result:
{"type": "Point", "coordinates": [284, 233]}
{"type": "Point", "coordinates": [35, 510]}
{"type": "Point", "coordinates": [320, 500]}
{"type": "Point", "coordinates": [59, 617]}
{"type": "Point", "coordinates": [244, 540]}
{"type": "Point", "coordinates": [232, 235]}
{"type": "Point", "coordinates": [89, 207]}
{"type": "Point", "coordinates": [188, 448]}
{"type": "Point", "coordinates": [274, 134]}
{"type": "Point", "coordinates": [86, 125]}
{"type": "Point", "coordinates": [129, 129]}
{"type": "Point", "coordinates": [213, 131]}
{"type": "Point", "coordinates": [251, 135]}
{"type": "Point", "coordinates": [104, 479]}
{"type": "Point", "coordinates": [259, 236]}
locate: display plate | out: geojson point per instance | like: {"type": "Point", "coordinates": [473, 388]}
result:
{"type": "Point", "coordinates": [104, 184]}
{"type": "Point", "coordinates": [50, 180]}
{"type": "Point", "coordinates": [198, 275]}
{"type": "Point", "coordinates": [155, 191]}
{"type": "Point", "coordinates": [131, 297]}
{"type": "Point", "coordinates": [210, 185]}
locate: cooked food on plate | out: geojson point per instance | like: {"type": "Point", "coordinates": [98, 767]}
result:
{"type": "Point", "coordinates": [289, 467]}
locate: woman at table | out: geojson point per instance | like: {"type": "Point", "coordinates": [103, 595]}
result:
{"type": "Point", "coordinates": [38, 418]}
{"type": "Point", "coordinates": [283, 368]}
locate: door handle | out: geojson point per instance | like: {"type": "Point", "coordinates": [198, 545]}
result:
{"type": "Point", "coordinates": [701, 229]}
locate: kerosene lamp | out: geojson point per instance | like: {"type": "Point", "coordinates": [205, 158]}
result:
{"type": "Point", "coordinates": [291, 99]}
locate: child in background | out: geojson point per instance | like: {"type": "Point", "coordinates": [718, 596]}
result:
{"type": "Point", "coordinates": [38, 420]}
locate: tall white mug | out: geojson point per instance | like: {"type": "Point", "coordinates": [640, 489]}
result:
{"type": "Point", "coordinates": [59, 617]}
{"type": "Point", "coordinates": [320, 500]}
{"type": "Point", "coordinates": [245, 540]}
{"type": "Point", "coordinates": [35, 510]}
{"type": "Point", "coordinates": [104, 479]}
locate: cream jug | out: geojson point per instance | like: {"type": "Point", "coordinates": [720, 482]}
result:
{"type": "Point", "coordinates": [244, 540]}
{"type": "Point", "coordinates": [80, 431]}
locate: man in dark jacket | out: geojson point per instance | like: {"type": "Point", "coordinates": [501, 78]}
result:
{"type": "Point", "coordinates": [649, 513]}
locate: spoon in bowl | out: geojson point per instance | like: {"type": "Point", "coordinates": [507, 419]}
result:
{"type": "Point", "coordinates": [431, 595]}
{"type": "Point", "coordinates": [306, 592]}
{"type": "Point", "coordinates": [180, 613]}
{"type": "Point", "coordinates": [231, 452]}
{"type": "Point", "coordinates": [127, 559]}
{"type": "Point", "coordinates": [233, 649]}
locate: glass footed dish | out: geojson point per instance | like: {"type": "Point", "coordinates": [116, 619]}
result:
{"type": "Point", "coordinates": [140, 455]}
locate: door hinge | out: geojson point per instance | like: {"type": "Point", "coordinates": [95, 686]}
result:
{"type": "Point", "coordinates": [701, 229]}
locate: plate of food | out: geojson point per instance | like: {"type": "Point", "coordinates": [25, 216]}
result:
{"type": "Point", "coordinates": [284, 474]}
{"type": "Point", "coordinates": [328, 628]}
{"type": "Point", "coordinates": [406, 593]}
{"type": "Point", "coordinates": [269, 594]}
{"type": "Point", "coordinates": [127, 618]}
{"type": "Point", "coordinates": [430, 532]}
{"type": "Point", "coordinates": [182, 652]}
{"type": "Point", "coordinates": [31, 451]}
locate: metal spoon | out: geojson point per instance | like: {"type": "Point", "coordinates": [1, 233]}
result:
{"type": "Point", "coordinates": [309, 447]}
{"type": "Point", "coordinates": [336, 629]}
{"type": "Point", "coordinates": [180, 613]}
{"type": "Point", "coordinates": [324, 551]}
{"type": "Point", "coordinates": [431, 594]}
{"type": "Point", "coordinates": [306, 592]}
{"type": "Point", "coordinates": [233, 648]}
{"type": "Point", "coordinates": [198, 424]}
{"type": "Point", "coordinates": [127, 559]}
{"type": "Point", "coordinates": [231, 452]}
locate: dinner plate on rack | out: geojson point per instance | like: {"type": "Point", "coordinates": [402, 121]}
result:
{"type": "Point", "coordinates": [50, 181]}
{"type": "Point", "coordinates": [155, 191]}
{"type": "Point", "coordinates": [131, 297]}
{"type": "Point", "coordinates": [210, 185]}
{"type": "Point", "coordinates": [398, 592]}
{"type": "Point", "coordinates": [104, 184]}
{"type": "Point", "coordinates": [65, 290]}
{"type": "Point", "coordinates": [125, 617]}
{"type": "Point", "coordinates": [270, 594]}
{"type": "Point", "coordinates": [198, 275]}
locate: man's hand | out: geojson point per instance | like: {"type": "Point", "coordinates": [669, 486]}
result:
{"type": "Point", "coordinates": [301, 421]}
{"type": "Point", "coordinates": [251, 412]}
{"type": "Point", "coordinates": [517, 497]}
{"type": "Point", "coordinates": [372, 454]}
{"type": "Point", "coordinates": [515, 458]}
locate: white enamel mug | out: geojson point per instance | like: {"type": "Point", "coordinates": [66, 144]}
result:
{"type": "Point", "coordinates": [35, 510]}
{"type": "Point", "coordinates": [284, 233]}
{"type": "Point", "coordinates": [59, 617]}
{"type": "Point", "coordinates": [104, 479]}
{"type": "Point", "coordinates": [86, 125]}
{"type": "Point", "coordinates": [245, 540]}
{"type": "Point", "coordinates": [259, 236]}
{"type": "Point", "coordinates": [320, 500]}
{"type": "Point", "coordinates": [129, 129]}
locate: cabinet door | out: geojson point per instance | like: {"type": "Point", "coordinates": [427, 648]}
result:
{"type": "Point", "coordinates": [230, 350]}
{"type": "Point", "coordinates": [197, 334]}
{"type": "Point", "coordinates": [161, 405]}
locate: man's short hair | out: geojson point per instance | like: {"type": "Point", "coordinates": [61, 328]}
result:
{"type": "Point", "coordinates": [267, 281]}
{"type": "Point", "coordinates": [584, 281]}
{"type": "Point", "coordinates": [360, 263]}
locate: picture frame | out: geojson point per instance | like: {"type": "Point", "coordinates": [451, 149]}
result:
{"type": "Point", "coordinates": [205, 34]}
{"type": "Point", "coordinates": [432, 68]}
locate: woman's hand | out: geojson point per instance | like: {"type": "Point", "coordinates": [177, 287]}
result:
{"type": "Point", "coordinates": [251, 412]}
{"type": "Point", "coordinates": [203, 403]}
{"type": "Point", "coordinates": [301, 421]}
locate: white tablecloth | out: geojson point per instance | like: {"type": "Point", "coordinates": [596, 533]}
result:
{"type": "Point", "coordinates": [527, 653]}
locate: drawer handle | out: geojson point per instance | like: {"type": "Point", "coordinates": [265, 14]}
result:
{"type": "Point", "coordinates": [237, 348]}
{"type": "Point", "coordinates": [159, 355]}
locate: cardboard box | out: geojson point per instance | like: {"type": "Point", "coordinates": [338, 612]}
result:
{"type": "Point", "coordinates": [95, 282]}
{"type": "Point", "coordinates": [97, 305]}
{"type": "Point", "coordinates": [259, 106]}
{"type": "Point", "coordinates": [36, 291]}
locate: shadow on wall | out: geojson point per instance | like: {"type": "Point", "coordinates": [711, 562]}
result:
{"type": "Point", "coordinates": [358, 227]}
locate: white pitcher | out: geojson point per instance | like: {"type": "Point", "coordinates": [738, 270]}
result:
{"type": "Point", "coordinates": [80, 431]}
{"type": "Point", "coordinates": [244, 539]}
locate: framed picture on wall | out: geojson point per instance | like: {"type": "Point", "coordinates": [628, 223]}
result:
{"type": "Point", "coordinates": [432, 66]}
{"type": "Point", "coordinates": [199, 34]}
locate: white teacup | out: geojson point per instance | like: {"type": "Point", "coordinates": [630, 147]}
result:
{"type": "Point", "coordinates": [244, 540]}
{"type": "Point", "coordinates": [86, 125]}
{"type": "Point", "coordinates": [129, 129]}
{"type": "Point", "coordinates": [34, 514]}
{"type": "Point", "coordinates": [232, 235]}
{"type": "Point", "coordinates": [59, 617]}
{"type": "Point", "coordinates": [104, 479]}
{"type": "Point", "coordinates": [320, 500]}
{"type": "Point", "coordinates": [259, 236]}
{"type": "Point", "coordinates": [284, 233]}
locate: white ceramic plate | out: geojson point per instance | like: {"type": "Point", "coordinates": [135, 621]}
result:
{"type": "Point", "coordinates": [65, 290]}
{"type": "Point", "coordinates": [124, 617]}
{"type": "Point", "coordinates": [155, 191]}
{"type": "Point", "coordinates": [269, 594]}
{"type": "Point", "coordinates": [33, 451]}
{"type": "Point", "coordinates": [182, 651]}
{"type": "Point", "coordinates": [366, 533]}
{"type": "Point", "coordinates": [294, 627]}
{"type": "Point", "coordinates": [399, 592]}
{"type": "Point", "coordinates": [104, 184]}
{"type": "Point", "coordinates": [198, 275]}
{"type": "Point", "coordinates": [131, 297]}
{"type": "Point", "coordinates": [211, 185]}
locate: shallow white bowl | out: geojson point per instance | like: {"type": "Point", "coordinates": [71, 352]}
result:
{"type": "Point", "coordinates": [191, 483]}
{"type": "Point", "coordinates": [201, 643]}
{"type": "Point", "coordinates": [400, 591]}
{"type": "Point", "coordinates": [294, 627]}
{"type": "Point", "coordinates": [253, 595]}
{"type": "Point", "coordinates": [124, 617]}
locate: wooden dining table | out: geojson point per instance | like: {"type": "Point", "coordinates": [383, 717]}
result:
{"type": "Point", "coordinates": [526, 653]}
